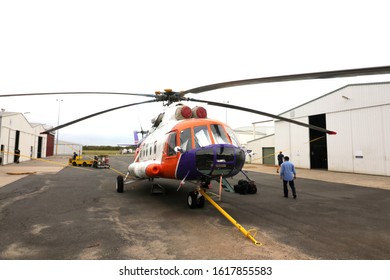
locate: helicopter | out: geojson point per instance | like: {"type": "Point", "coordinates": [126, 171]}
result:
{"type": "Point", "coordinates": [184, 144]}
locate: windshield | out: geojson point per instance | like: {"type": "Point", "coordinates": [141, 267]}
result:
{"type": "Point", "coordinates": [219, 134]}
{"type": "Point", "coordinates": [202, 136]}
{"type": "Point", "coordinates": [232, 136]}
{"type": "Point", "coordinates": [185, 140]}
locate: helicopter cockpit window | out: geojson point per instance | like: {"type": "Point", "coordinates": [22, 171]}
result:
{"type": "Point", "coordinates": [202, 136]}
{"type": "Point", "coordinates": [185, 140]}
{"type": "Point", "coordinates": [232, 136]}
{"type": "Point", "coordinates": [171, 144]}
{"type": "Point", "coordinates": [219, 134]}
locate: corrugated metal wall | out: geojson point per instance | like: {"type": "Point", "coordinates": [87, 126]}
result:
{"type": "Point", "coordinates": [386, 136]}
{"type": "Point", "coordinates": [362, 144]}
{"type": "Point", "coordinates": [293, 141]}
{"type": "Point", "coordinates": [340, 147]}
{"type": "Point", "coordinates": [268, 141]}
{"type": "Point", "coordinates": [66, 149]}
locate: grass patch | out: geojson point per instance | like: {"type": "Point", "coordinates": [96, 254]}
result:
{"type": "Point", "coordinates": [101, 152]}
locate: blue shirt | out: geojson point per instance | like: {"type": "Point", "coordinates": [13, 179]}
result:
{"type": "Point", "coordinates": [287, 171]}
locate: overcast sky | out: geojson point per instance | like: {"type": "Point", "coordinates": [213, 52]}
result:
{"type": "Point", "coordinates": [144, 46]}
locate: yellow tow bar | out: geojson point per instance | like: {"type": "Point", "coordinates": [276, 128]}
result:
{"type": "Point", "coordinates": [230, 218]}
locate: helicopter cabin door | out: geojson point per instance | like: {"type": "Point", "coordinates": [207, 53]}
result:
{"type": "Point", "coordinates": [170, 156]}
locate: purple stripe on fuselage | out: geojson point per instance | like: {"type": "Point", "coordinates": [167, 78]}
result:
{"type": "Point", "coordinates": [187, 163]}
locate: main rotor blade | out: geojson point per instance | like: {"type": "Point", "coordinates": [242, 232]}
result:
{"type": "Point", "coordinates": [225, 105]}
{"type": "Point", "coordinates": [96, 114]}
{"type": "Point", "coordinates": [75, 92]}
{"type": "Point", "coordinates": [294, 77]}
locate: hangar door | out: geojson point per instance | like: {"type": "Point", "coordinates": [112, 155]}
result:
{"type": "Point", "coordinates": [39, 152]}
{"type": "Point", "coordinates": [269, 155]}
{"type": "Point", "coordinates": [318, 144]}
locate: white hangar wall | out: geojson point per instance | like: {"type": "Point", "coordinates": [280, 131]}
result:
{"type": "Point", "coordinates": [293, 141]}
{"type": "Point", "coordinates": [359, 114]}
{"type": "Point", "coordinates": [362, 144]}
{"type": "Point", "coordinates": [256, 146]}
{"type": "Point", "coordinates": [15, 128]}
{"type": "Point", "coordinates": [65, 148]}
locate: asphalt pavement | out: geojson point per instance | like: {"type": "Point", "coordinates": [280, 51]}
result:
{"type": "Point", "coordinates": [12, 172]}
{"type": "Point", "coordinates": [75, 213]}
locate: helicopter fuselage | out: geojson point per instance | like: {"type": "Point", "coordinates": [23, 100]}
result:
{"type": "Point", "coordinates": [191, 148]}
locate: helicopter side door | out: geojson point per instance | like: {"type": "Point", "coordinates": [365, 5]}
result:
{"type": "Point", "coordinates": [170, 157]}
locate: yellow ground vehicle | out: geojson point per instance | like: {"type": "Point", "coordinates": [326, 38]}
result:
{"type": "Point", "coordinates": [79, 161]}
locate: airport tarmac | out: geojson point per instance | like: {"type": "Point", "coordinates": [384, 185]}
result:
{"type": "Point", "coordinates": [68, 213]}
{"type": "Point", "coordinates": [13, 172]}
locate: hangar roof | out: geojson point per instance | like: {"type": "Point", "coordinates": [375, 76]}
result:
{"type": "Point", "coordinates": [341, 90]}
{"type": "Point", "coordinates": [8, 114]}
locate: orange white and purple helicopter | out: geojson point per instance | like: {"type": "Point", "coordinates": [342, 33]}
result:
{"type": "Point", "coordinates": [184, 144]}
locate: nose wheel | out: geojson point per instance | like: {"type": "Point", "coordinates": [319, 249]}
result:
{"type": "Point", "coordinates": [195, 200]}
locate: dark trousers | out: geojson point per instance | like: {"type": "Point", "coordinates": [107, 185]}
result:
{"type": "Point", "coordinates": [292, 186]}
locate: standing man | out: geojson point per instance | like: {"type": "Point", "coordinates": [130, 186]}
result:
{"type": "Point", "coordinates": [280, 160]}
{"type": "Point", "coordinates": [288, 174]}
{"type": "Point", "coordinates": [17, 156]}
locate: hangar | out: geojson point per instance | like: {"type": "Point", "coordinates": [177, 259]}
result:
{"type": "Point", "coordinates": [64, 148]}
{"type": "Point", "coordinates": [359, 113]}
{"type": "Point", "coordinates": [18, 135]}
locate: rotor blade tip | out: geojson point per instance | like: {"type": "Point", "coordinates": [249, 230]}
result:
{"type": "Point", "coordinates": [332, 132]}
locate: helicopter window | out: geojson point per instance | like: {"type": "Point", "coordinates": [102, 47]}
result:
{"type": "Point", "coordinates": [219, 134]}
{"type": "Point", "coordinates": [202, 136]}
{"type": "Point", "coordinates": [232, 136]}
{"type": "Point", "coordinates": [171, 144]}
{"type": "Point", "coordinates": [185, 140]}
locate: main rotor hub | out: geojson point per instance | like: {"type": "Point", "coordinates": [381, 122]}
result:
{"type": "Point", "coordinates": [169, 96]}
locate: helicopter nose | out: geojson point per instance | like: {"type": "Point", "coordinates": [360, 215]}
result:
{"type": "Point", "coordinates": [217, 160]}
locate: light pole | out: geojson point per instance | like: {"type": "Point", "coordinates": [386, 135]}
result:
{"type": "Point", "coordinates": [58, 123]}
{"type": "Point", "coordinates": [226, 112]}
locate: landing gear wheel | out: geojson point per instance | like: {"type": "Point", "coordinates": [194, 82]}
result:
{"type": "Point", "coordinates": [195, 200]}
{"type": "Point", "coordinates": [191, 200]}
{"type": "Point", "coordinates": [119, 184]}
